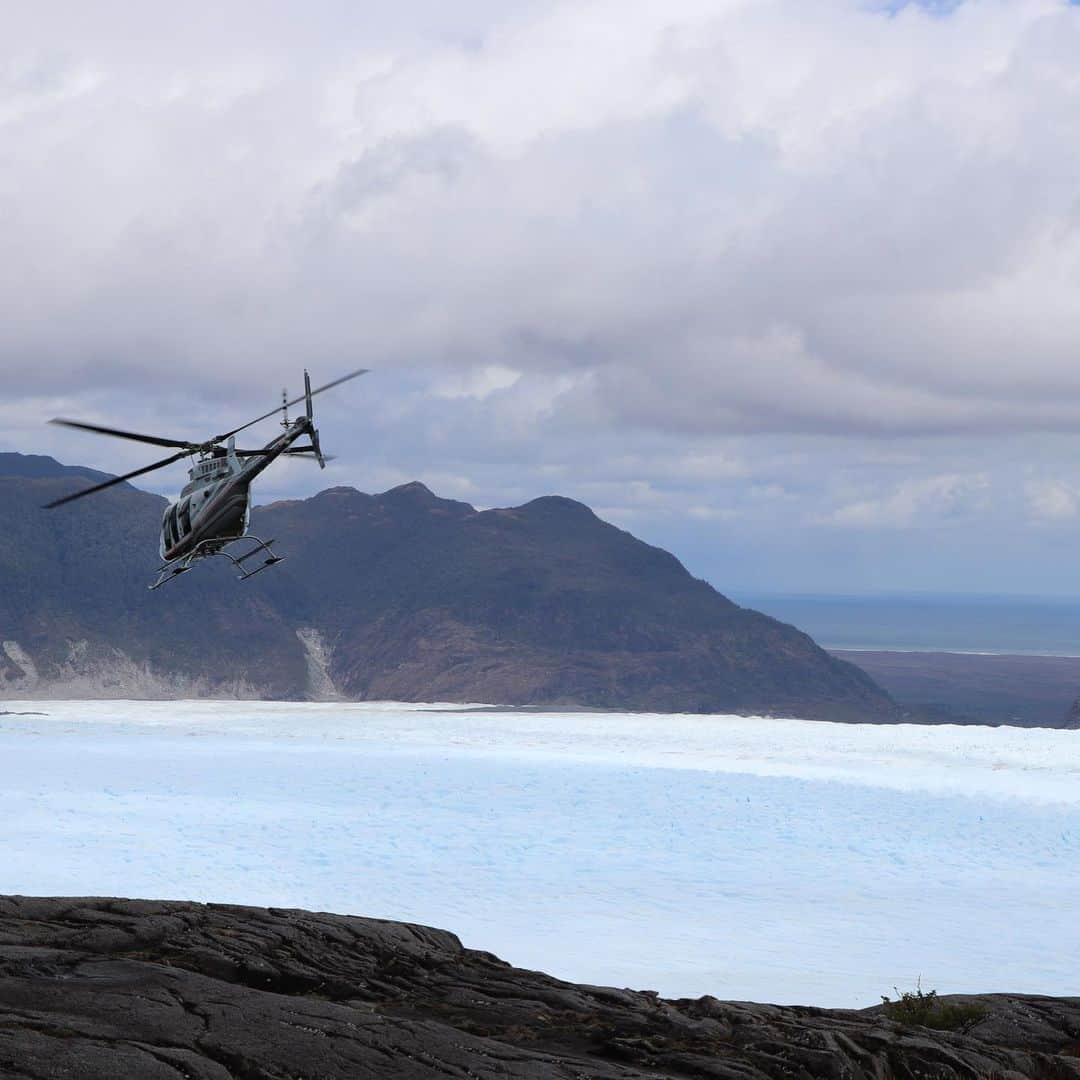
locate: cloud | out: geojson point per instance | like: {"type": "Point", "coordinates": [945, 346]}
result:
{"type": "Point", "coordinates": [1051, 500]}
{"type": "Point", "coordinates": [478, 383]}
{"type": "Point", "coordinates": [664, 257]}
{"type": "Point", "coordinates": [734, 216]}
{"type": "Point", "coordinates": [932, 498]}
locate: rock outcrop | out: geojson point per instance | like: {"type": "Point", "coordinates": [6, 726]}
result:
{"type": "Point", "coordinates": [102, 989]}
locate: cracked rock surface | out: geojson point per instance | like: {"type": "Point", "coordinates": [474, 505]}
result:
{"type": "Point", "coordinates": [103, 988]}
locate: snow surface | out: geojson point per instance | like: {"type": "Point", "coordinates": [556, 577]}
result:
{"type": "Point", "coordinates": [775, 860]}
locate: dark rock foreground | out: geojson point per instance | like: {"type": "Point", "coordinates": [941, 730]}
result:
{"type": "Point", "coordinates": [98, 988]}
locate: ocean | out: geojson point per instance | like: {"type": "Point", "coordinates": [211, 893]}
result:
{"type": "Point", "coordinates": [930, 622]}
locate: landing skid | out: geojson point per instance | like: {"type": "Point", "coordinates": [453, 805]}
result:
{"type": "Point", "coordinates": [208, 548]}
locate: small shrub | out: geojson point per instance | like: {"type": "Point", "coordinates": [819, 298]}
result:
{"type": "Point", "coordinates": [925, 1009]}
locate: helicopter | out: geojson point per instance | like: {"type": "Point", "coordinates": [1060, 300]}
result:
{"type": "Point", "coordinates": [212, 512]}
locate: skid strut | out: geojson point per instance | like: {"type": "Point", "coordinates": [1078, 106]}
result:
{"type": "Point", "coordinates": [208, 548]}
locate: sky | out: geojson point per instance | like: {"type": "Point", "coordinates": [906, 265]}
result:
{"type": "Point", "coordinates": [787, 288]}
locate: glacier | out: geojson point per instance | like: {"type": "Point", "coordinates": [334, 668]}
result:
{"type": "Point", "coordinates": [749, 858]}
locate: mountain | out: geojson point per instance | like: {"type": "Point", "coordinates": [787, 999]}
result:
{"type": "Point", "coordinates": [76, 618]}
{"type": "Point", "coordinates": [402, 595]}
{"type": "Point", "coordinates": [36, 466]}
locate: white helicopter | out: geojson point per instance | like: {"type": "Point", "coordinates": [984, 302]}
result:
{"type": "Point", "coordinates": [213, 510]}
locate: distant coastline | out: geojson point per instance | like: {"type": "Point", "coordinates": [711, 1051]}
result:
{"type": "Point", "coordinates": [964, 624]}
{"type": "Point", "coordinates": [951, 658]}
{"type": "Point", "coordinates": [833, 647]}
{"type": "Point", "coordinates": [1026, 690]}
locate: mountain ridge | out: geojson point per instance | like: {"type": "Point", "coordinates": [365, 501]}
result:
{"type": "Point", "coordinates": [398, 595]}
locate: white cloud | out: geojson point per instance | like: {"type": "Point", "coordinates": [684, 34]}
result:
{"type": "Point", "coordinates": [712, 513]}
{"type": "Point", "coordinates": [931, 498]}
{"type": "Point", "coordinates": [479, 383]}
{"type": "Point", "coordinates": [1051, 500]}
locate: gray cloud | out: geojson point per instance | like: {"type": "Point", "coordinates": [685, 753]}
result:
{"type": "Point", "coordinates": [586, 245]}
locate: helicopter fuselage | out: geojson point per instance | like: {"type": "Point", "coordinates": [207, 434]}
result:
{"type": "Point", "coordinates": [215, 504]}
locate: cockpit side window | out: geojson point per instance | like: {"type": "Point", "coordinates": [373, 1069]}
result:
{"type": "Point", "coordinates": [184, 517]}
{"type": "Point", "coordinates": [170, 526]}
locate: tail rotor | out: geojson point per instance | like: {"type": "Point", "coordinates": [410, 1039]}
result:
{"type": "Point", "coordinates": [314, 431]}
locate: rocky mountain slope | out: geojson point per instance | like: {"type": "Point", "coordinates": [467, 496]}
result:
{"type": "Point", "coordinates": [401, 595]}
{"type": "Point", "coordinates": [76, 617]}
{"type": "Point", "coordinates": [111, 988]}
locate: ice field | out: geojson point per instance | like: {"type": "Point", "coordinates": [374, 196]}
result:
{"type": "Point", "coordinates": [776, 860]}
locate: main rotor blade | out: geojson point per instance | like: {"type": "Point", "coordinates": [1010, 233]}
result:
{"type": "Point", "coordinates": [309, 453]}
{"type": "Point", "coordinates": [292, 451]}
{"type": "Point", "coordinates": [295, 401]}
{"type": "Point", "coordinates": [287, 450]}
{"type": "Point", "coordinates": [153, 440]}
{"type": "Point", "coordinates": [116, 480]}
